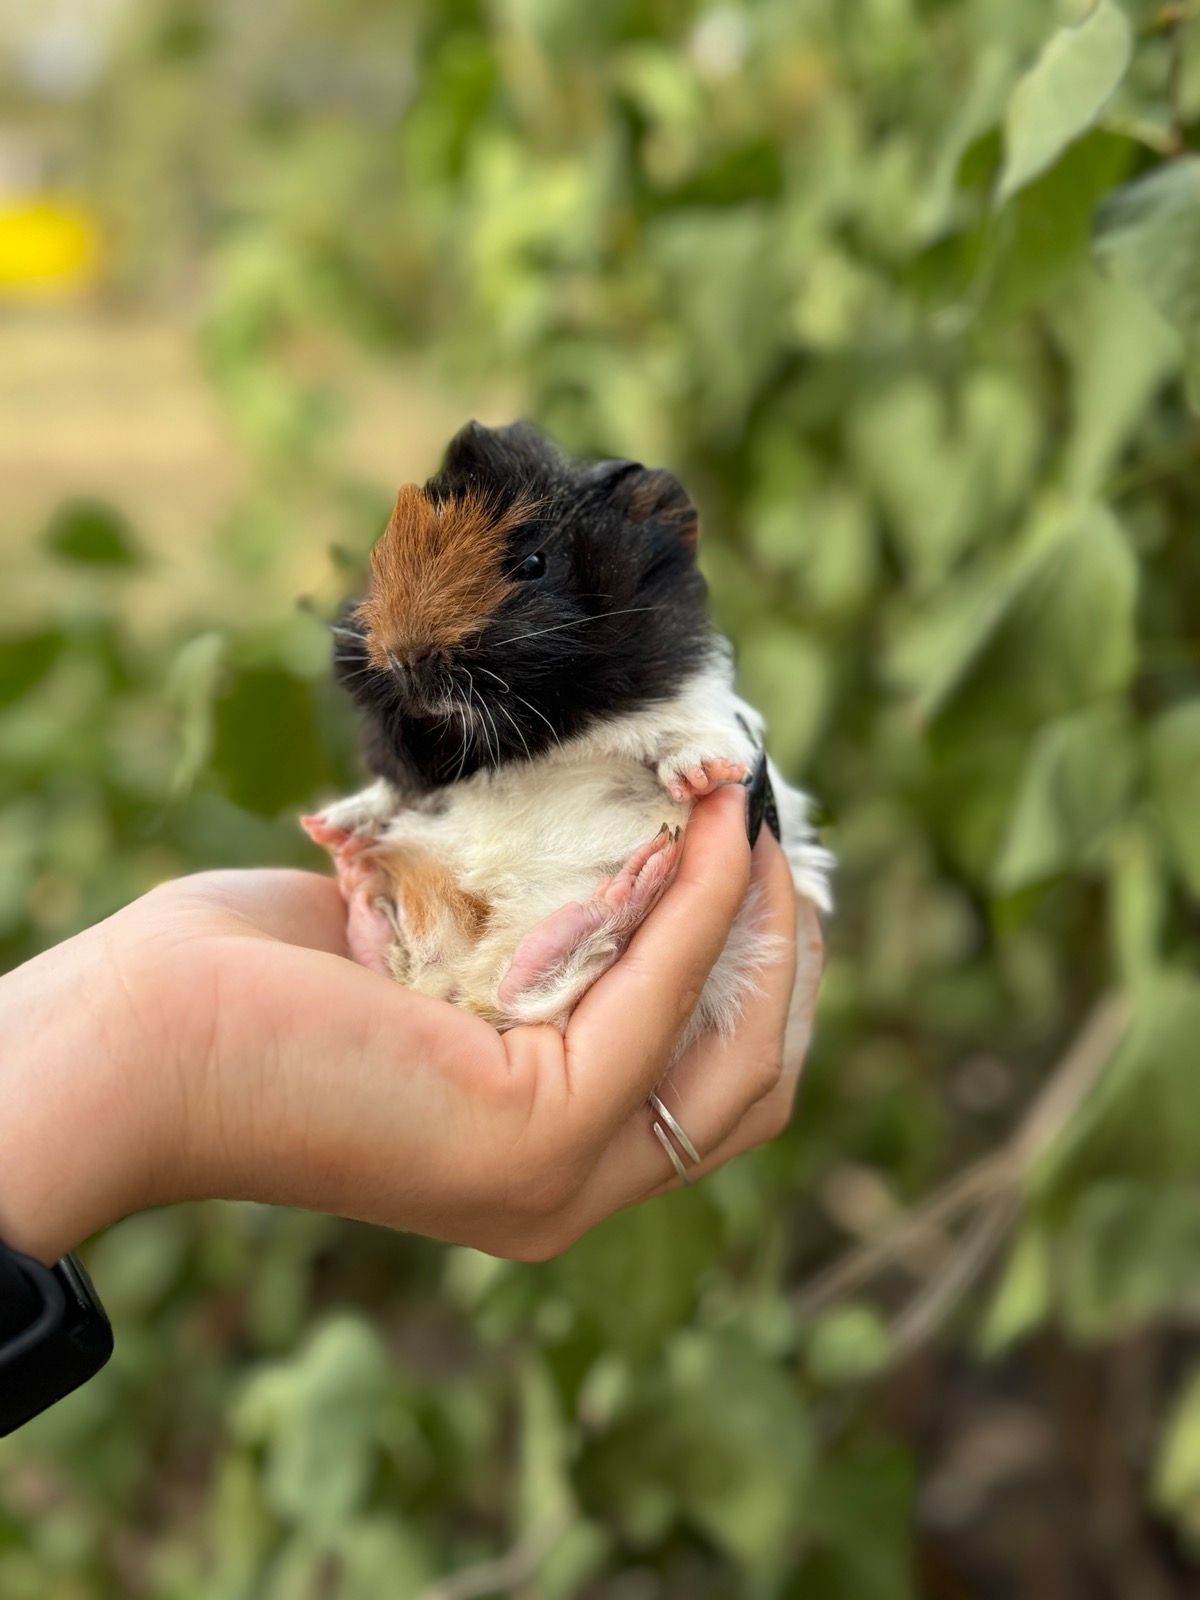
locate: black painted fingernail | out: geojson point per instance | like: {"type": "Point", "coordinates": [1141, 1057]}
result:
{"type": "Point", "coordinates": [760, 806]}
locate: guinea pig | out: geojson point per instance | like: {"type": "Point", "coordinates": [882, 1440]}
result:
{"type": "Point", "coordinates": [544, 698]}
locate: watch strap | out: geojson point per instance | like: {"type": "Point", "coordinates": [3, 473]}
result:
{"type": "Point", "coordinates": [54, 1334]}
{"type": "Point", "coordinates": [19, 1300]}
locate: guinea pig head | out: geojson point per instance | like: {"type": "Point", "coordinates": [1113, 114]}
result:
{"type": "Point", "coordinates": [438, 575]}
{"type": "Point", "coordinates": [518, 597]}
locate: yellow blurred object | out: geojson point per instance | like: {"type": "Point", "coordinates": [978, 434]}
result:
{"type": "Point", "coordinates": [47, 246]}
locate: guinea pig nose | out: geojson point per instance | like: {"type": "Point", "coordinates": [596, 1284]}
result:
{"type": "Point", "coordinates": [419, 655]}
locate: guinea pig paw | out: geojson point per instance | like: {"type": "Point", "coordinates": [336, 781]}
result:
{"type": "Point", "coordinates": [633, 891]}
{"type": "Point", "coordinates": [353, 822]}
{"type": "Point", "coordinates": [564, 955]}
{"type": "Point", "coordinates": [687, 776]}
{"type": "Point", "coordinates": [326, 833]}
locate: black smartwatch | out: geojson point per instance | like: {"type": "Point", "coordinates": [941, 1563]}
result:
{"type": "Point", "coordinates": [54, 1334]}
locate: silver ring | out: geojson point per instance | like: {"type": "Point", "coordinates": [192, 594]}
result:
{"type": "Point", "coordinates": [689, 1149]}
{"type": "Point", "coordinates": [680, 1169]}
{"type": "Point", "coordinates": [676, 1137]}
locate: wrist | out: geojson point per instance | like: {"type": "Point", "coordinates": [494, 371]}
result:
{"type": "Point", "coordinates": [80, 1116]}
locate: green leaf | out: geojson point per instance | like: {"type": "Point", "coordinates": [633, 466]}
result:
{"type": "Point", "coordinates": [241, 1529]}
{"type": "Point", "coordinates": [1044, 234]}
{"type": "Point", "coordinates": [318, 1417]}
{"type": "Point", "coordinates": [848, 1345]}
{"type": "Point", "coordinates": [865, 1482]}
{"type": "Point", "coordinates": [1139, 1121]}
{"type": "Point", "coordinates": [944, 465]}
{"type": "Point", "coordinates": [1063, 93]}
{"type": "Point", "coordinates": [380, 1556]}
{"type": "Point", "coordinates": [978, 110]}
{"type": "Point", "coordinates": [1130, 1251]}
{"type": "Point", "coordinates": [1042, 630]}
{"type": "Point", "coordinates": [267, 751]}
{"type": "Point", "coordinates": [720, 1439]}
{"type": "Point", "coordinates": [25, 659]}
{"type": "Point", "coordinates": [1138, 900]}
{"type": "Point", "coordinates": [1073, 787]}
{"type": "Point", "coordinates": [1148, 235]}
{"type": "Point", "coordinates": [1023, 1295]}
{"type": "Point", "coordinates": [787, 677]}
{"type": "Point", "coordinates": [192, 688]}
{"type": "Point", "coordinates": [1177, 1471]}
{"type": "Point", "coordinates": [1175, 773]}
{"type": "Point", "coordinates": [139, 1260]}
{"type": "Point", "coordinates": [90, 533]}
{"type": "Point", "coordinates": [664, 1248]}
{"type": "Point", "coordinates": [1121, 354]}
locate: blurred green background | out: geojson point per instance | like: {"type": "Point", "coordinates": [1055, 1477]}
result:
{"type": "Point", "coordinates": [909, 292]}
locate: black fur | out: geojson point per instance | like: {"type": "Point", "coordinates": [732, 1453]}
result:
{"type": "Point", "coordinates": [618, 621]}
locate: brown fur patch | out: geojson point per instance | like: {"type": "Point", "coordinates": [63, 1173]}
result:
{"type": "Point", "coordinates": [427, 895]}
{"type": "Point", "coordinates": [437, 572]}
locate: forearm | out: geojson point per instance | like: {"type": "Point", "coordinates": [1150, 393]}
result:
{"type": "Point", "coordinates": [76, 1123]}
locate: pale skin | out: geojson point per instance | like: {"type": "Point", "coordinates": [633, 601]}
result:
{"type": "Point", "coordinates": [213, 1041]}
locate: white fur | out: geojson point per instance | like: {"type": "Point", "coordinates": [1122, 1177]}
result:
{"type": "Point", "coordinates": [533, 836]}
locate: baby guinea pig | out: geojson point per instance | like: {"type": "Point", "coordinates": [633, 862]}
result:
{"type": "Point", "coordinates": [544, 698]}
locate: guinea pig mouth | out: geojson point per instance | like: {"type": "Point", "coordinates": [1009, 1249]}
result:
{"type": "Point", "coordinates": [431, 690]}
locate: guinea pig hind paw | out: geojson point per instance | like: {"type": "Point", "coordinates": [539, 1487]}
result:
{"type": "Point", "coordinates": [688, 777]}
{"type": "Point", "coordinates": [564, 955]}
{"type": "Point", "coordinates": [636, 888]}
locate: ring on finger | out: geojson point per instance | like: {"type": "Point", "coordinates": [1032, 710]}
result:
{"type": "Point", "coordinates": [676, 1136]}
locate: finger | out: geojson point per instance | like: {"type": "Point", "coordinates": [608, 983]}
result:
{"type": "Point", "coordinates": [762, 1123]}
{"type": "Point", "coordinates": [621, 1034]}
{"type": "Point", "coordinates": [720, 1079]}
{"type": "Point", "coordinates": [719, 1084]}
{"type": "Point", "coordinates": [768, 1117]}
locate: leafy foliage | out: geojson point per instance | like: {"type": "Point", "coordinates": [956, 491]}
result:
{"type": "Point", "coordinates": [907, 292]}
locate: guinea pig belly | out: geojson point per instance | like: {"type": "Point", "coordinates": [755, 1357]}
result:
{"type": "Point", "coordinates": [515, 893]}
{"type": "Point", "coordinates": [568, 856]}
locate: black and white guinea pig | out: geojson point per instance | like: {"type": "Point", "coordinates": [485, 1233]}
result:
{"type": "Point", "coordinates": [544, 699]}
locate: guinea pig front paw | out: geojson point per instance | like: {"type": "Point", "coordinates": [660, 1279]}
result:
{"type": "Point", "coordinates": [559, 959]}
{"type": "Point", "coordinates": [329, 835]}
{"type": "Point", "coordinates": [686, 775]}
{"type": "Point", "coordinates": [364, 816]}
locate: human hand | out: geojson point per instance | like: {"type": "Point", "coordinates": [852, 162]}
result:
{"type": "Point", "coordinates": [212, 1040]}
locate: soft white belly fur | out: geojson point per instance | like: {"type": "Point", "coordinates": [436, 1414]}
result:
{"type": "Point", "coordinates": [444, 892]}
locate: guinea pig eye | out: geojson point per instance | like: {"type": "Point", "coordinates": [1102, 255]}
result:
{"type": "Point", "coordinates": [532, 567]}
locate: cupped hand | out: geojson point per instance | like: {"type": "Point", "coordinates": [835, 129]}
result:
{"type": "Point", "coordinates": [213, 1040]}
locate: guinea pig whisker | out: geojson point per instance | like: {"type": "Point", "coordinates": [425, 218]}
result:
{"type": "Point", "coordinates": [487, 711]}
{"type": "Point", "coordinates": [489, 725]}
{"type": "Point", "coordinates": [365, 671]}
{"type": "Point", "coordinates": [506, 687]}
{"type": "Point", "coordinates": [474, 698]}
{"type": "Point", "coordinates": [623, 611]}
{"type": "Point", "coordinates": [446, 690]}
{"type": "Point", "coordinates": [517, 730]}
{"type": "Point", "coordinates": [466, 715]}
{"type": "Point", "coordinates": [537, 713]}
{"type": "Point", "coordinates": [495, 731]}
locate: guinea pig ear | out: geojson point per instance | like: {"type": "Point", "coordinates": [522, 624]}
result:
{"type": "Point", "coordinates": [651, 495]}
{"type": "Point", "coordinates": [492, 458]}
